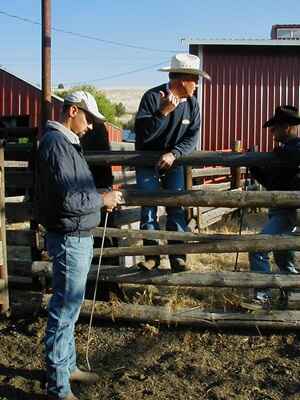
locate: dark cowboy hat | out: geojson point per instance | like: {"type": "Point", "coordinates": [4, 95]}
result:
{"type": "Point", "coordinates": [284, 115]}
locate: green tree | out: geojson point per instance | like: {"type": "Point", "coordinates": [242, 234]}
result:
{"type": "Point", "coordinates": [106, 107]}
{"type": "Point", "coordinates": [130, 124]}
{"type": "Point", "coordinates": [120, 109]}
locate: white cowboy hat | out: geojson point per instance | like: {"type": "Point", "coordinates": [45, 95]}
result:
{"type": "Point", "coordinates": [185, 63]}
{"type": "Point", "coordinates": [86, 102]}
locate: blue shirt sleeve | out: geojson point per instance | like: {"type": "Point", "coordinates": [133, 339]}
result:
{"type": "Point", "coordinates": [150, 124]}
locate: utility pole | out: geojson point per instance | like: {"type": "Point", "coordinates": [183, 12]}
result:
{"type": "Point", "coordinates": [46, 106]}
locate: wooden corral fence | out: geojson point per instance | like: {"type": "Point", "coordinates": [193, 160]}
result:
{"type": "Point", "coordinates": [205, 178]}
{"type": "Point", "coordinates": [4, 297]}
{"type": "Point", "coordinates": [193, 243]}
{"type": "Point", "coordinates": [21, 230]}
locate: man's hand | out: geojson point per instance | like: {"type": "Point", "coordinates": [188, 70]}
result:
{"type": "Point", "coordinates": [166, 161]}
{"type": "Point", "coordinates": [111, 199]}
{"type": "Point", "coordinates": [168, 103]}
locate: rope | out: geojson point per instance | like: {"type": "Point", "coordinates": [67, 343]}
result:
{"type": "Point", "coordinates": [95, 294]}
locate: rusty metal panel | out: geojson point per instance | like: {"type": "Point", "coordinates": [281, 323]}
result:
{"type": "Point", "coordinates": [248, 83]}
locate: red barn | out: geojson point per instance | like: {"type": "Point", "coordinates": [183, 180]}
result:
{"type": "Point", "coordinates": [250, 78]}
{"type": "Point", "coordinates": [20, 105]}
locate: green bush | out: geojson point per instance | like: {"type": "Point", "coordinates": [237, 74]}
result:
{"type": "Point", "coordinates": [106, 107]}
{"type": "Point", "coordinates": [130, 124]}
{"type": "Point", "coordinates": [120, 109]}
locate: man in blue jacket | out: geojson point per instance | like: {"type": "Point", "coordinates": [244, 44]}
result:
{"type": "Point", "coordinates": [168, 121]}
{"type": "Point", "coordinates": [69, 208]}
{"type": "Point", "coordinates": [283, 127]}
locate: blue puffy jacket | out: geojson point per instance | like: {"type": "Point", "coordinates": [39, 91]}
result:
{"type": "Point", "coordinates": [67, 200]}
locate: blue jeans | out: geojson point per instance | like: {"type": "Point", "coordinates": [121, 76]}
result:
{"type": "Point", "coordinates": [72, 257]}
{"type": "Point", "coordinates": [149, 181]}
{"type": "Point", "coordinates": [281, 221]}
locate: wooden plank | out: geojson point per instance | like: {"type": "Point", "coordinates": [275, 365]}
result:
{"type": "Point", "coordinates": [127, 216]}
{"type": "Point", "coordinates": [209, 171]}
{"type": "Point", "coordinates": [206, 172]}
{"type": "Point", "coordinates": [124, 178]}
{"type": "Point", "coordinates": [197, 158]}
{"type": "Point", "coordinates": [18, 152]}
{"type": "Point", "coordinates": [222, 246]}
{"type": "Point", "coordinates": [3, 285]}
{"type": "Point", "coordinates": [197, 173]}
{"type": "Point", "coordinates": [151, 234]}
{"type": "Point", "coordinates": [122, 146]}
{"type": "Point", "coordinates": [18, 212]}
{"type": "Point", "coordinates": [15, 199]}
{"type": "Point", "coordinates": [18, 132]}
{"type": "Point", "coordinates": [189, 186]}
{"type": "Point", "coordinates": [216, 214]}
{"type": "Point", "coordinates": [19, 267]}
{"type": "Point", "coordinates": [15, 164]}
{"type": "Point", "coordinates": [230, 199]}
{"type": "Point", "coordinates": [20, 282]}
{"type": "Point", "coordinates": [19, 237]}
{"type": "Point", "coordinates": [18, 178]}
{"type": "Point", "coordinates": [213, 186]}
{"type": "Point", "coordinates": [173, 235]}
{"type": "Point", "coordinates": [194, 316]}
{"type": "Point", "coordinates": [236, 171]}
{"type": "Point", "coordinates": [197, 317]}
{"type": "Point", "coordinates": [162, 277]}
{"type": "Point", "coordinates": [3, 248]}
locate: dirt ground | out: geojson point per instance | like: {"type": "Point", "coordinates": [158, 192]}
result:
{"type": "Point", "coordinates": [156, 362]}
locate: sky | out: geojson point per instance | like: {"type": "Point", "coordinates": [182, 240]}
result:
{"type": "Point", "coordinates": [128, 40]}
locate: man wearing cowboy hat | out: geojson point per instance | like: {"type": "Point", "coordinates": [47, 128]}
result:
{"type": "Point", "coordinates": [168, 121]}
{"type": "Point", "coordinates": [283, 127]}
{"type": "Point", "coordinates": [69, 208]}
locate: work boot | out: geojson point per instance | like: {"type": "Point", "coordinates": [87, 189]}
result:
{"type": "Point", "coordinates": [69, 396]}
{"type": "Point", "coordinates": [149, 264]}
{"type": "Point", "coordinates": [179, 265]}
{"type": "Point", "coordinates": [85, 377]}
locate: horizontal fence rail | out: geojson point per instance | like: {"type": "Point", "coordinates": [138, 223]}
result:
{"type": "Point", "coordinates": [196, 317]}
{"type": "Point", "coordinates": [159, 277]}
{"type": "Point", "coordinates": [205, 198]}
{"type": "Point", "coordinates": [197, 158]}
{"type": "Point", "coordinates": [223, 246]}
{"type": "Point", "coordinates": [18, 132]}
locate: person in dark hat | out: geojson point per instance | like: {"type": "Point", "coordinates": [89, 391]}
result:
{"type": "Point", "coordinates": [284, 128]}
{"type": "Point", "coordinates": [168, 121]}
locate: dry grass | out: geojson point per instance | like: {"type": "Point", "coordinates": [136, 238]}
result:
{"type": "Point", "coordinates": [209, 299]}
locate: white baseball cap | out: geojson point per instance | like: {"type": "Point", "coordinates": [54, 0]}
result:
{"type": "Point", "coordinates": [185, 63]}
{"type": "Point", "coordinates": [86, 102]}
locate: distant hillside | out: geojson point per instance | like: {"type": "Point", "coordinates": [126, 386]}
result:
{"type": "Point", "coordinates": [128, 96]}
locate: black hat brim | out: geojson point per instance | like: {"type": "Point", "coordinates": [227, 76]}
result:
{"type": "Point", "coordinates": [289, 120]}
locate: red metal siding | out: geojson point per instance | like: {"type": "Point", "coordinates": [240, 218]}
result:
{"type": "Point", "coordinates": [114, 133]}
{"type": "Point", "coordinates": [248, 83]}
{"type": "Point", "coordinates": [18, 97]}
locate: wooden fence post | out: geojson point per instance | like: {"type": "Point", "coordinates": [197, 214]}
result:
{"type": "Point", "coordinates": [4, 297]}
{"type": "Point", "coordinates": [189, 186]}
{"type": "Point", "coordinates": [236, 171]}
